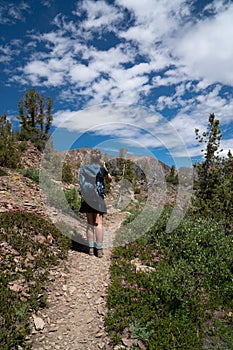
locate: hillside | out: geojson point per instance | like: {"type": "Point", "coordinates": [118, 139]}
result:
{"type": "Point", "coordinates": [22, 209]}
{"type": "Point", "coordinates": [56, 296]}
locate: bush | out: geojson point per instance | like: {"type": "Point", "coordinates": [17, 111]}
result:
{"type": "Point", "coordinates": [53, 192]}
{"type": "Point", "coordinates": [29, 245]}
{"type": "Point", "coordinates": [67, 175]}
{"type": "Point", "coordinates": [174, 306]}
{"type": "Point", "coordinates": [9, 150]}
{"type": "Point", "coordinates": [73, 199]}
{"type": "Point", "coordinates": [3, 172]}
{"type": "Point", "coordinates": [32, 173]}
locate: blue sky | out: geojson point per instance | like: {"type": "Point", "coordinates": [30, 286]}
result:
{"type": "Point", "coordinates": [123, 73]}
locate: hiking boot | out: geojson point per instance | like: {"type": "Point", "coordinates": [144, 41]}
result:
{"type": "Point", "coordinates": [91, 251]}
{"type": "Point", "coordinates": [100, 253]}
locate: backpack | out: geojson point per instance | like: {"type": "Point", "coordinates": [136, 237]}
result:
{"type": "Point", "coordinates": [91, 186]}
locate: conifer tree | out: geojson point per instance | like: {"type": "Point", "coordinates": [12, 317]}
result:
{"type": "Point", "coordinates": [35, 115]}
{"type": "Point", "coordinates": [9, 152]}
{"type": "Point", "coordinates": [172, 177]}
{"type": "Point", "coordinates": [214, 184]}
{"type": "Point", "coordinates": [209, 168]}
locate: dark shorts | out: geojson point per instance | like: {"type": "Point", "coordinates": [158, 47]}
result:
{"type": "Point", "coordinates": [100, 208]}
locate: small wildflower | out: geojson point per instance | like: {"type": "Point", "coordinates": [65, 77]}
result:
{"type": "Point", "coordinates": [156, 259]}
{"type": "Point", "coordinates": [137, 254]}
{"type": "Point", "coordinates": [123, 283]}
{"type": "Point", "coordinates": [134, 299]}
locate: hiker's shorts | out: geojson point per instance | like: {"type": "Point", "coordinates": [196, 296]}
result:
{"type": "Point", "coordinates": [100, 207]}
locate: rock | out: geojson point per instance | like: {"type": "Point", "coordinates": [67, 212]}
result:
{"type": "Point", "coordinates": [38, 322]}
{"type": "Point", "coordinates": [100, 310]}
{"type": "Point", "coordinates": [99, 301]}
{"type": "Point", "coordinates": [16, 287]}
{"type": "Point", "coordinates": [99, 334]}
{"type": "Point", "coordinates": [29, 256]}
{"type": "Point", "coordinates": [141, 345]}
{"type": "Point", "coordinates": [127, 342]}
{"type": "Point", "coordinates": [140, 267]}
{"type": "Point", "coordinates": [72, 289]}
{"type": "Point", "coordinates": [64, 288]}
{"type": "Point", "coordinates": [90, 320]}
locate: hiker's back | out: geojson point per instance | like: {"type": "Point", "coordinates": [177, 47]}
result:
{"type": "Point", "coordinates": [87, 180]}
{"type": "Point", "coordinates": [91, 182]}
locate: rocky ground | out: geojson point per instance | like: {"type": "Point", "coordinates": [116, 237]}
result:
{"type": "Point", "coordinates": [74, 318]}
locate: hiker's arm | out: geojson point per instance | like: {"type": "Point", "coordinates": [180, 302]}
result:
{"type": "Point", "coordinates": [108, 176]}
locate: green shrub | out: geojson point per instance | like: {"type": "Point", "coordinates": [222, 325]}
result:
{"type": "Point", "coordinates": [73, 199]}
{"type": "Point", "coordinates": [29, 246]}
{"type": "Point", "coordinates": [174, 306]}
{"type": "Point", "coordinates": [53, 192]}
{"type": "Point", "coordinates": [67, 175]}
{"type": "Point", "coordinates": [3, 172]}
{"type": "Point", "coordinates": [9, 150]}
{"type": "Point", "coordinates": [172, 177]}
{"type": "Point", "coordinates": [32, 173]}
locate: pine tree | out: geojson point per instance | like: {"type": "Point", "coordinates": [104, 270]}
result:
{"type": "Point", "coordinates": [172, 177]}
{"type": "Point", "coordinates": [35, 115]}
{"type": "Point", "coordinates": [208, 170]}
{"type": "Point", "coordinates": [214, 184]}
{"type": "Point", "coordinates": [9, 152]}
{"type": "Point", "coordinates": [225, 192]}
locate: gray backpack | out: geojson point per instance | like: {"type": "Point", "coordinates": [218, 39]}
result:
{"type": "Point", "coordinates": [91, 184]}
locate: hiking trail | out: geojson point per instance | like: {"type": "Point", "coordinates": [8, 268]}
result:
{"type": "Point", "coordinates": [74, 318]}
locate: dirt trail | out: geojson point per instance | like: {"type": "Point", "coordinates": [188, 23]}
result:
{"type": "Point", "coordinates": [74, 318]}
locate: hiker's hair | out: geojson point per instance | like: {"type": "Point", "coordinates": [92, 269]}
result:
{"type": "Point", "coordinates": [95, 156]}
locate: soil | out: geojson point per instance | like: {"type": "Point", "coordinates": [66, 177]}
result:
{"type": "Point", "coordinates": [74, 318]}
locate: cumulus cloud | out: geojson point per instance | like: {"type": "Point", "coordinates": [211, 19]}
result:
{"type": "Point", "coordinates": [98, 15]}
{"type": "Point", "coordinates": [206, 49]}
{"type": "Point", "coordinates": [121, 121]}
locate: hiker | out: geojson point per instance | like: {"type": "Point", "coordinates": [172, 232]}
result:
{"type": "Point", "coordinates": [93, 203]}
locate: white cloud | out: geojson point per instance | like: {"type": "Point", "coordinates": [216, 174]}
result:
{"type": "Point", "coordinates": [227, 145]}
{"type": "Point", "coordinates": [10, 13]}
{"type": "Point", "coordinates": [99, 14]}
{"type": "Point", "coordinates": [44, 73]}
{"type": "Point", "coordinates": [122, 121]}
{"type": "Point", "coordinates": [206, 49]}
{"type": "Point", "coordinates": [47, 3]}
{"type": "Point", "coordinates": [195, 114]}
{"type": "Point", "coordinates": [155, 21]}
{"type": "Point", "coordinates": [9, 51]}
{"type": "Point", "coordinates": [82, 74]}
{"type": "Point", "coordinates": [216, 6]}
{"type": "Point", "coordinates": [5, 53]}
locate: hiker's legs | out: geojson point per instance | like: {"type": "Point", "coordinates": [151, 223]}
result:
{"type": "Point", "coordinates": [99, 228]}
{"type": "Point", "coordinates": [95, 226]}
{"type": "Point", "coordinates": [99, 234]}
{"type": "Point", "coordinates": [90, 229]}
